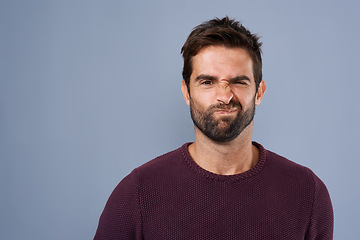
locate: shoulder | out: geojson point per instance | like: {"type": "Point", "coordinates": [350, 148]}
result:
{"type": "Point", "coordinates": [165, 161]}
{"type": "Point", "coordinates": [163, 168]}
{"type": "Point", "coordinates": [153, 171]}
{"type": "Point", "coordinates": [287, 170]}
{"type": "Point", "coordinates": [282, 164]}
{"type": "Point", "coordinates": [294, 177]}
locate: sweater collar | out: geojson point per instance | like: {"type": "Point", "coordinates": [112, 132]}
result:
{"type": "Point", "coordinates": [233, 178]}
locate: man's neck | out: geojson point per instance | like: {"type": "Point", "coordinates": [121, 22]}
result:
{"type": "Point", "coordinates": [236, 156]}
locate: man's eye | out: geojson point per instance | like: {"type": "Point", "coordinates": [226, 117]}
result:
{"type": "Point", "coordinates": [207, 82]}
{"type": "Point", "coordinates": [240, 82]}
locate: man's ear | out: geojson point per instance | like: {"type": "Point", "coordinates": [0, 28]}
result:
{"type": "Point", "coordinates": [185, 92]}
{"type": "Point", "coordinates": [260, 92]}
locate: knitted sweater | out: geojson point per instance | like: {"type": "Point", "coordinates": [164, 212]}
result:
{"type": "Point", "coordinates": [171, 197]}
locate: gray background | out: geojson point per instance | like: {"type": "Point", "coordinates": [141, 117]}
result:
{"type": "Point", "coordinates": [90, 90]}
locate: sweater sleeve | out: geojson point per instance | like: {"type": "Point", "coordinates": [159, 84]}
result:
{"type": "Point", "coordinates": [322, 219]}
{"type": "Point", "coordinates": [121, 218]}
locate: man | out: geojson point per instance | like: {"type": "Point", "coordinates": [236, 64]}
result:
{"type": "Point", "coordinates": [223, 185]}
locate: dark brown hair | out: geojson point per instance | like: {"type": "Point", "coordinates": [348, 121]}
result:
{"type": "Point", "coordinates": [226, 32]}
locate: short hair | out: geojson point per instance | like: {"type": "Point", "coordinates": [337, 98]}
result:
{"type": "Point", "coordinates": [224, 32]}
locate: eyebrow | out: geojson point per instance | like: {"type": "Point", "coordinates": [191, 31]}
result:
{"type": "Point", "coordinates": [213, 78]}
{"type": "Point", "coordinates": [239, 78]}
{"type": "Point", "coordinates": [205, 77]}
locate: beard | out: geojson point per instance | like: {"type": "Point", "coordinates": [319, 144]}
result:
{"type": "Point", "coordinates": [223, 129]}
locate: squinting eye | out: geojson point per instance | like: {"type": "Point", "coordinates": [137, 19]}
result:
{"type": "Point", "coordinates": [241, 82]}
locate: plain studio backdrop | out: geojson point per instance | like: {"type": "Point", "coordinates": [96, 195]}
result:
{"type": "Point", "coordinates": [90, 90]}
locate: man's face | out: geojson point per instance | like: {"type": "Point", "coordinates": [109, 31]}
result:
{"type": "Point", "coordinates": [222, 95]}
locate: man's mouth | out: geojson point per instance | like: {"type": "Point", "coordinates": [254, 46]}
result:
{"type": "Point", "coordinates": [226, 110]}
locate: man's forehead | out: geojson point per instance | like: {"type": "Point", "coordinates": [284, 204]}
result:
{"type": "Point", "coordinates": [222, 62]}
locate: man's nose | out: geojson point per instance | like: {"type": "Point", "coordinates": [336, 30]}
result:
{"type": "Point", "coordinates": [224, 93]}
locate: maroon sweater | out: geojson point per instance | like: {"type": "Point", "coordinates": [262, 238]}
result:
{"type": "Point", "coordinates": [171, 197]}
